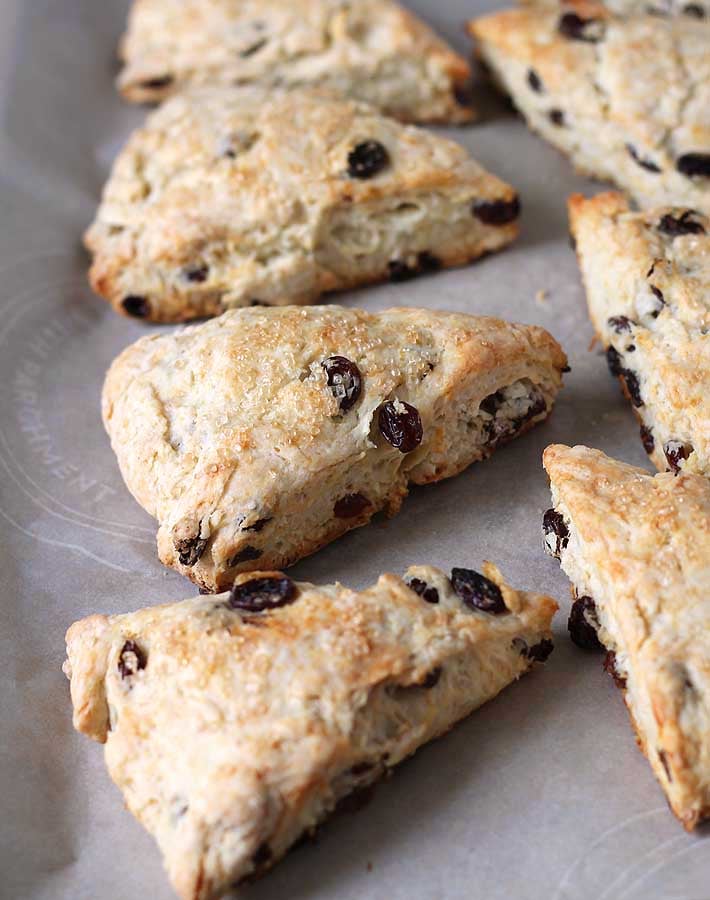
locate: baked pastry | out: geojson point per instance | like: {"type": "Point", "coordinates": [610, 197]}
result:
{"type": "Point", "coordinates": [372, 50]}
{"type": "Point", "coordinates": [260, 436]}
{"type": "Point", "coordinates": [693, 9]}
{"type": "Point", "coordinates": [234, 724]}
{"type": "Point", "coordinates": [625, 98]}
{"type": "Point", "coordinates": [647, 277]}
{"type": "Point", "coordinates": [228, 197]}
{"type": "Point", "coordinates": [637, 551]}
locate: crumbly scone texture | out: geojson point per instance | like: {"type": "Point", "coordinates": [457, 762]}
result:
{"type": "Point", "coordinates": [625, 98]}
{"type": "Point", "coordinates": [230, 434]}
{"type": "Point", "coordinates": [236, 196]}
{"type": "Point", "coordinates": [231, 733]}
{"type": "Point", "coordinates": [639, 545]}
{"type": "Point", "coordinates": [372, 50]}
{"type": "Point", "coordinates": [647, 278]}
{"type": "Point", "coordinates": [694, 9]}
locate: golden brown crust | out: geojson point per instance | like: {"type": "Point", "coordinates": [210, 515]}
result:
{"type": "Point", "coordinates": [647, 277]}
{"type": "Point", "coordinates": [232, 732]}
{"type": "Point", "coordinates": [640, 547]}
{"type": "Point", "coordinates": [228, 197]}
{"type": "Point", "coordinates": [229, 434]}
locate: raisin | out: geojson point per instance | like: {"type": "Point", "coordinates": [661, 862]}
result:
{"type": "Point", "coordinates": [694, 164]}
{"type": "Point", "coordinates": [535, 82]}
{"type": "Point", "coordinates": [246, 554]}
{"type": "Point", "coordinates": [556, 533]}
{"type": "Point", "coordinates": [463, 94]}
{"type": "Point", "coordinates": [576, 28]}
{"type": "Point", "coordinates": [432, 678]}
{"type": "Point", "coordinates": [350, 505]}
{"type": "Point", "coordinates": [136, 306]}
{"type": "Point", "coordinates": [620, 323]}
{"type": "Point", "coordinates": [344, 380]}
{"type": "Point", "coordinates": [400, 425]}
{"type": "Point", "coordinates": [646, 164]}
{"type": "Point", "coordinates": [659, 296]}
{"type": "Point", "coordinates": [694, 11]}
{"type": "Point", "coordinates": [613, 360]}
{"type": "Point", "coordinates": [492, 403]}
{"type": "Point", "coordinates": [262, 856]}
{"type": "Point", "coordinates": [497, 212]}
{"type": "Point", "coordinates": [367, 158]}
{"type": "Point", "coordinates": [540, 652]}
{"type": "Point", "coordinates": [189, 550]}
{"type": "Point", "coordinates": [583, 624]}
{"type": "Point", "coordinates": [254, 48]}
{"type": "Point", "coordinates": [259, 594]}
{"type": "Point", "coordinates": [427, 262]}
{"type": "Point", "coordinates": [632, 386]}
{"type": "Point", "coordinates": [477, 591]}
{"type": "Point", "coordinates": [647, 439]}
{"type": "Point", "coordinates": [676, 452]}
{"type": "Point", "coordinates": [610, 669]}
{"type": "Point", "coordinates": [430, 594]}
{"type": "Point", "coordinates": [197, 274]}
{"type": "Point", "coordinates": [557, 117]}
{"type": "Point", "coordinates": [131, 659]}
{"type": "Point", "coordinates": [259, 525]}
{"type": "Point", "coordinates": [398, 271]}
{"type": "Point", "coordinates": [160, 81]}
{"type": "Point", "coordinates": [675, 226]}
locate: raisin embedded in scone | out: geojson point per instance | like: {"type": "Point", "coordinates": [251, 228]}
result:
{"type": "Point", "coordinates": [636, 548]}
{"type": "Point", "coordinates": [625, 98]}
{"type": "Point", "coordinates": [258, 437]}
{"type": "Point", "coordinates": [372, 50]}
{"type": "Point", "coordinates": [231, 197]}
{"type": "Point", "coordinates": [647, 277]}
{"type": "Point", "coordinates": [234, 724]}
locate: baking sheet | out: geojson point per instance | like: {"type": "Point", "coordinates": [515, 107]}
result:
{"type": "Point", "coordinates": [541, 794]}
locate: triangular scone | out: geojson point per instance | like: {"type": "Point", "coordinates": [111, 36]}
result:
{"type": "Point", "coordinates": [228, 197]}
{"type": "Point", "coordinates": [372, 50]}
{"type": "Point", "coordinates": [235, 723]}
{"type": "Point", "coordinates": [637, 550]}
{"type": "Point", "coordinates": [625, 98]}
{"type": "Point", "coordinates": [694, 9]}
{"type": "Point", "coordinates": [647, 277]}
{"type": "Point", "coordinates": [258, 437]}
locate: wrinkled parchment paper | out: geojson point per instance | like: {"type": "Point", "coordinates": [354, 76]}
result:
{"type": "Point", "coordinates": [541, 794]}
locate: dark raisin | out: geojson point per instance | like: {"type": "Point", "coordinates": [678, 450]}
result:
{"type": "Point", "coordinates": [344, 380]}
{"type": "Point", "coordinates": [555, 532]}
{"type": "Point", "coordinates": [477, 591]}
{"type": "Point", "coordinates": [646, 164]}
{"type": "Point", "coordinates": [362, 767]}
{"type": "Point", "coordinates": [189, 550]}
{"type": "Point", "coordinates": [632, 386]}
{"type": "Point", "coordinates": [463, 94]}
{"type": "Point", "coordinates": [694, 11]}
{"type": "Point", "coordinates": [576, 28]}
{"type": "Point", "coordinates": [367, 159]}
{"type": "Point", "coordinates": [678, 225]}
{"type": "Point", "coordinates": [350, 505]}
{"type": "Point", "coordinates": [130, 659]}
{"type": "Point", "coordinates": [497, 212]}
{"type": "Point", "coordinates": [259, 525]}
{"type": "Point", "coordinates": [659, 296]}
{"type": "Point", "coordinates": [427, 262]}
{"type": "Point", "coordinates": [613, 360]}
{"type": "Point", "coordinates": [492, 403]}
{"type": "Point", "coordinates": [557, 117]}
{"type": "Point", "coordinates": [664, 762]}
{"type": "Point", "coordinates": [136, 306]}
{"type": "Point", "coordinates": [610, 669]}
{"type": "Point", "coordinates": [262, 856]}
{"type": "Point", "coordinates": [259, 594]}
{"type": "Point", "coordinates": [629, 348]}
{"type": "Point", "coordinates": [430, 594]}
{"type": "Point", "coordinates": [535, 82]}
{"type": "Point", "coordinates": [647, 439]}
{"type": "Point", "coordinates": [246, 554]}
{"type": "Point", "coordinates": [583, 624]}
{"type": "Point", "coordinates": [253, 48]}
{"type": "Point", "coordinates": [432, 678]}
{"type": "Point", "coordinates": [540, 652]}
{"type": "Point", "coordinates": [398, 271]}
{"type": "Point", "coordinates": [565, 369]}
{"type": "Point", "coordinates": [161, 81]}
{"type": "Point", "coordinates": [694, 164]}
{"type": "Point", "coordinates": [676, 452]}
{"type": "Point", "coordinates": [400, 425]}
{"type": "Point", "coordinates": [197, 274]}
{"type": "Point", "coordinates": [620, 323]}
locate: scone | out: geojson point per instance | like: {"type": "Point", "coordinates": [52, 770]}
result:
{"type": "Point", "coordinates": [235, 723]}
{"type": "Point", "coordinates": [232, 197]}
{"type": "Point", "coordinates": [647, 277]}
{"type": "Point", "coordinates": [637, 551]}
{"type": "Point", "coordinates": [258, 437]}
{"type": "Point", "coordinates": [626, 99]}
{"type": "Point", "coordinates": [693, 9]}
{"type": "Point", "coordinates": [372, 50]}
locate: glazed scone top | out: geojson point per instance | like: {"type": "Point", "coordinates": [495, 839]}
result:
{"type": "Point", "coordinates": [647, 76]}
{"type": "Point", "coordinates": [372, 49]}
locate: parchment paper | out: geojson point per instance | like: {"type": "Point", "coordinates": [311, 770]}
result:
{"type": "Point", "coordinates": [541, 794]}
